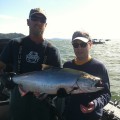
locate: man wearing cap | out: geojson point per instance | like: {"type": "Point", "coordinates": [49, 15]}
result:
{"type": "Point", "coordinates": [86, 106]}
{"type": "Point", "coordinates": [26, 55]}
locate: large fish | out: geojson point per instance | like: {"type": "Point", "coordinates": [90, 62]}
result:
{"type": "Point", "coordinates": [53, 80]}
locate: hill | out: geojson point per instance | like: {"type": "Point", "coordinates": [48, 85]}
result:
{"type": "Point", "coordinates": [5, 38]}
{"type": "Point", "coordinates": [10, 35]}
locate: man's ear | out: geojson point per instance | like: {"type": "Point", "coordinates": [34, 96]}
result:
{"type": "Point", "coordinates": [45, 24]}
{"type": "Point", "coordinates": [90, 44]}
{"type": "Point", "coordinates": [28, 22]}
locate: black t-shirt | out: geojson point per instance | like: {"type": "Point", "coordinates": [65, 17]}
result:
{"type": "Point", "coordinates": [32, 56]}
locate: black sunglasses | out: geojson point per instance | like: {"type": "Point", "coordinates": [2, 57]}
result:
{"type": "Point", "coordinates": [82, 44]}
{"type": "Point", "coordinates": [40, 19]}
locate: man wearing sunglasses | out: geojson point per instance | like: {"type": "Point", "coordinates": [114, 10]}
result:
{"type": "Point", "coordinates": [26, 55]}
{"type": "Point", "coordinates": [86, 106]}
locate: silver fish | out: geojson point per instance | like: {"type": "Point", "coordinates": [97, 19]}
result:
{"type": "Point", "coordinates": [52, 80]}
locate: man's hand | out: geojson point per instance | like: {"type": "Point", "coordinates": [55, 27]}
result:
{"type": "Point", "coordinates": [22, 91]}
{"type": "Point", "coordinates": [38, 95]}
{"type": "Point", "coordinates": [89, 108]}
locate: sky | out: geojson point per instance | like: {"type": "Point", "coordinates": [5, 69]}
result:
{"type": "Point", "coordinates": [100, 18]}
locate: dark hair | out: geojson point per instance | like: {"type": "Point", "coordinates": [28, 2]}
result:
{"type": "Point", "coordinates": [81, 34]}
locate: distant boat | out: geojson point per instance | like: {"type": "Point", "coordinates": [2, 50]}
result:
{"type": "Point", "coordinates": [98, 41]}
{"type": "Point", "coordinates": [108, 40]}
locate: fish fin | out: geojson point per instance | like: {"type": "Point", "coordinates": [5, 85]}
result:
{"type": "Point", "coordinates": [42, 96]}
{"type": "Point", "coordinates": [45, 66]}
{"type": "Point", "coordinates": [22, 91]}
{"type": "Point", "coordinates": [77, 92]}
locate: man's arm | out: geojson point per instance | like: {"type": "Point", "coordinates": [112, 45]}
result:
{"type": "Point", "coordinates": [104, 96]}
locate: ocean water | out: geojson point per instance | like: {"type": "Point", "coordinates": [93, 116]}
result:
{"type": "Point", "coordinates": [108, 53]}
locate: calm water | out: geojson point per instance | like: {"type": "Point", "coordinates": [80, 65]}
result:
{"type": "Point", "coordinates": [108, 53]}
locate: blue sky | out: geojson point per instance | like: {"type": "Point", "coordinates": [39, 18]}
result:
{"type": "Point", "coordinates": [100, 18]}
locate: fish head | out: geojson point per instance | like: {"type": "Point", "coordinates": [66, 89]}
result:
{"type": "Point", "coordinates": [87, 83]}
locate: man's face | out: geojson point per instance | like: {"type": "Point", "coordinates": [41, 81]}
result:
{"type": "Point", "coordinates": [37, 24]}
{"type": "Point", "coordinates": [81, 49]}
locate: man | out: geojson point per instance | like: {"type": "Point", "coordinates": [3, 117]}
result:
{"type": "Point", "coordinates": [26, 55]}
{"type": "Point", "coordinates": [86, 106]}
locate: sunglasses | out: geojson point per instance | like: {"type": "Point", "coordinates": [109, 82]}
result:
{"type": "Point", "coordinates": [40, 19]}
{"type": "Point", "coordinates": [82, 44]}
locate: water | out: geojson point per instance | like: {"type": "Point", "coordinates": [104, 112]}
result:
{"type": "Point", "coordinates": [108, 53]}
